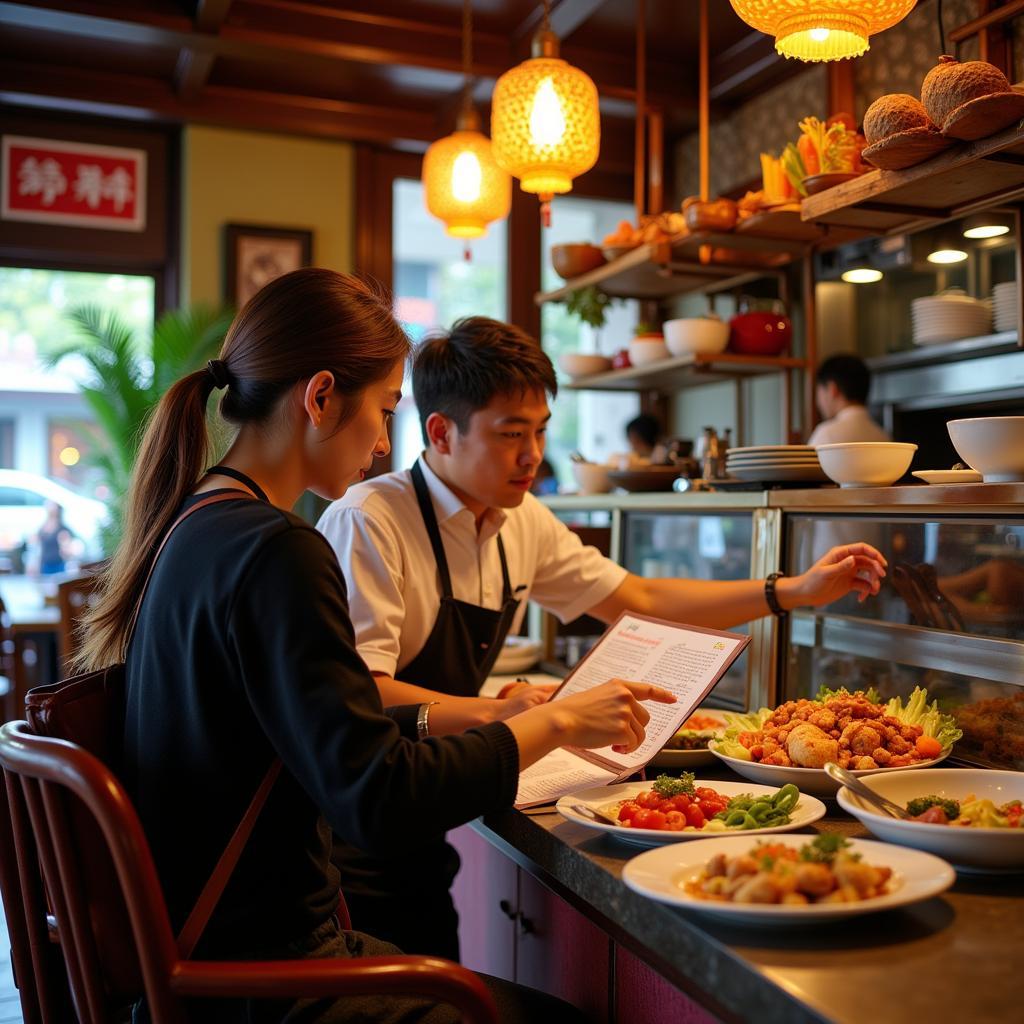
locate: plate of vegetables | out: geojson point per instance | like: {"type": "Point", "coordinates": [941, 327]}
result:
{"type": "Point", "coordinates": [859, 731]}
{"type": "Point", "coordinates": [673, 809]}
{"type": "Point", "coordinates": [688, 748]}
{"type": "Point", "coordinates": [787, 880]}
{"type": "Point", "coordinates": [974, 817]}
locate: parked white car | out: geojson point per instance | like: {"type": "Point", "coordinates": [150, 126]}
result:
{"type": "Point", "coordinates": [23, 498]}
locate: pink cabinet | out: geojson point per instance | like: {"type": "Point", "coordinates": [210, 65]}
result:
{"type": "Point", "coordinates": [642, 994]}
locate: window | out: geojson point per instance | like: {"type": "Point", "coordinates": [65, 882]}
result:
{"type": "Point", "coordinates": [593, 422]}
{"type": "Point", "coordinates": [45, 426]}
{"type": "Point", "coordinates": [434, 284]}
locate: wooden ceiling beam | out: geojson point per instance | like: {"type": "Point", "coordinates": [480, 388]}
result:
{"type": "Point", "coordinates": [193, 68]}
{"type": "Point", "coordinates": [211, 15]}
{"type": "Point", "coordinates": [740, 63]}
{"type": "Point", "coordinates": [29, 83]}
{"type": "Point", "coordinates": [566, 17]}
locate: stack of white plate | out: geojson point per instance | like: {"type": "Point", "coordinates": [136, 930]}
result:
{"type": "Point", "coordinates": [775, 463]}
{"type": "Point", "coordinates": [1005, 303]}
{"type": "Point", "coordinates": [948, 317]}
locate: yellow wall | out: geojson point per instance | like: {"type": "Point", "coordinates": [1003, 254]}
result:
{"type": "Point", "coordinates": [233, 177]}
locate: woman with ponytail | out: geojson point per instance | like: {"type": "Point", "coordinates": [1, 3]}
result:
{"type": "Point", "coordinates": [242, 652]}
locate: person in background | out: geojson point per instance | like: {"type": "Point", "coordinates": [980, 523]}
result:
{"type": "Point", "coordinates": [442, 559]}
{"type": "Point", "coordinates": [642, 434]}
{"type": "Point", "coordinates": [841, 391]}
{"type": "Point", "coordinates": [54, 543]}
{"type": "Point", "coordinates": [243, 653]}
{"type": "Point", "coordinates": [545, 482]}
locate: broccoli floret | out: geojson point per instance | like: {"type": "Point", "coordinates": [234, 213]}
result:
{"type": "Point", "coordinates": [920, 804]}
{"type": "Point", "coordinates": [666, 786]}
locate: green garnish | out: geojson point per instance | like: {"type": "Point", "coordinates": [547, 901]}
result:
{"type": "Point", "coordinates": [920, 804]}
{"type": "Point", "coordinates": [666, 786]}
{"type": "Point", "coordinates": [823, 849]}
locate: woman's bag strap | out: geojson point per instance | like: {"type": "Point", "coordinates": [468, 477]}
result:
{"type": "Point", "coordinates": [211, 499]}
{"type": "Point", "coordinates": [218, 880]}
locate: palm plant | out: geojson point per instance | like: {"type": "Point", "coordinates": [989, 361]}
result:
{"type": "Point", "coordinates": [128, 378]}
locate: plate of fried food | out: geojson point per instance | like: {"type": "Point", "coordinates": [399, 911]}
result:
{"type": "Point", "coordinates": [787, 880]}
{"type": "Point", "coordinates": [688, 748]}
{"type": "Point", "coordinates": [860, 732]}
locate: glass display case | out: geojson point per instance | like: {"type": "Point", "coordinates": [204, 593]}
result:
{"type": "Point", "coordinates": [949, 617]}
{"type": "Point", "coordinates": [695, 545]}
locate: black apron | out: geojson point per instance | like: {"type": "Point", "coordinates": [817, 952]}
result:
{"type": "Point", "coordinates": [404, 898]}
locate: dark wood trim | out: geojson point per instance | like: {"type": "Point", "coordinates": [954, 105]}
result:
{"type": "Point", "coordinates": [841, 88]}
{"type": "Point", "coordinates": [524, 256]}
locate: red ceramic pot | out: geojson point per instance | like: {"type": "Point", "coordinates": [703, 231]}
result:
{"type": "Point", "coordinates": [759, 333]}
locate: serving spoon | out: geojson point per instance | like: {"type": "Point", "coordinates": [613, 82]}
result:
{"type": "Point", "coordinates": [851, 782]}
{"type": "Point", "coordinates": [595, 814]}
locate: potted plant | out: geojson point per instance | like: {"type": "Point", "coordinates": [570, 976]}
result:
{"type": "Point", "coordinates": [128, 377]}
{"type": "Point", "coordinates": [590, 305]}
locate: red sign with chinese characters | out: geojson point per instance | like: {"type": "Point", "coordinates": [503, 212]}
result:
{"type": "Point", "coordinates": [74, 183]}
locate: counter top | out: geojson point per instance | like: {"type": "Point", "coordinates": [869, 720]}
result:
{"type": "Point", "coordinates": [948, 958]}
{"type": "Point", "coordinates": [948, 497]}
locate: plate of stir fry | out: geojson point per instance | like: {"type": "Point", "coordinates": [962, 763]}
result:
{"type": "Point", "coordinates": [974, 817]}
{"type": "Point", "coordinates": [787, 880]}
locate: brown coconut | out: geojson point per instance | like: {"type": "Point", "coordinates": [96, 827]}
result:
{"type": "Point", "coordinates": [894, 113]}
{"type": "Point", "coordinates": [951, 84]}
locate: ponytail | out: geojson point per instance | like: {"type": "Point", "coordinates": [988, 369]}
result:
{"type": "Point", "coordinates": [299, 324]}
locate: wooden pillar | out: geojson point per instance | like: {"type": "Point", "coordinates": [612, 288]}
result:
{"type": "Point", "coordinates": [841, 92]}
{"type": "Point", "coordinates": [655, 161]}
{"type": "Point", "coordinates": [1018, 229]}
{"type": "Point", "coordinates": [810, 342]}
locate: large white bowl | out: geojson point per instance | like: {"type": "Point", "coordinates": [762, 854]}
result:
{"type": "Point", "coordinates": [643, 351]}
{"type": "Point", "coordinates": [592, 478]}
{"type": "Point", "coordinates": [695, 334]}
{"type": "Point", "coordinates": [1000, 849]}
{"type": "Point", "coordinates": [812, 781]}
{"type": "Point", "coordinates": [993, 445]}
{"type": "Point", "coordinates": [581, 364]}
{"type": "Point", "coordinates": [865, 463]}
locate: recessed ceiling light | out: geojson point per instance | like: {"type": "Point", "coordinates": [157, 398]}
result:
{"type": "Point", "coordinates": [862, 275]}
{"type": "Point", "coordinates": [987, 231]}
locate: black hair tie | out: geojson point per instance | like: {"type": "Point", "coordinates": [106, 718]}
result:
{"type": "Point", "coordinates": [218, 370]}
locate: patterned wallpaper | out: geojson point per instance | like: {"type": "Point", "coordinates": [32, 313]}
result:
{"type": "Point", "coordinates": [898, 60]}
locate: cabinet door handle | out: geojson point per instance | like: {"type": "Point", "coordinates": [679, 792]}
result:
{"type": "Point", "coordinates": [506, 908]}
{"type": "Point", "coordinates": [525, 925]}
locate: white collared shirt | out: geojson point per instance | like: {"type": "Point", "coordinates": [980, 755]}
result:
{"type": "Point", "coordinates": [394, 589]}
{"type": "Point", "coordinates": [851, 423]}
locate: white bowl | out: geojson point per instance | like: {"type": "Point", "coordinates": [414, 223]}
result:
{"type": "Point", "coordinates": [993, 445]}
{"type": "Point", "coordinates": [1000, 849]}
{"type": "Point", "coordinates": [643, 351]}
{"type": "Point", "coordinates": [812, 781]}
{"type": "Point", "coordinates": [865, 463]}
{"type": "Point", "coordinates": [696, 334]}
{"type": "Point", "coordinates": [581, 364]}
{"type": "Point", "coordinates": [591, 478]}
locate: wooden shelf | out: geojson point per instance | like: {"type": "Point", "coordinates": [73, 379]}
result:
{"type": "Point", "coordinates": [970, 176]}
{"type": "Point", "coordinates": [684, 372]}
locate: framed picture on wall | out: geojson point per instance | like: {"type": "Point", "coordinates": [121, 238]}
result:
{"type": "Point", "coordinates": [254, 256]}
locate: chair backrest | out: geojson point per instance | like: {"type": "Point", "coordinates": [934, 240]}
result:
{"type": "Point", "coordinates": [58, 787]}
{"type": "Point", "coordinates": [74, 597]}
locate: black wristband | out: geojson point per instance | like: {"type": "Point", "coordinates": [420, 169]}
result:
{"type": "Point", "coordinates": [770, 596]}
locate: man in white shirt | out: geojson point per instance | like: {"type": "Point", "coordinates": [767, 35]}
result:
{"type": "Point", "coordinates": [841, 389]}
{"type": "Point", "coordinates": [441, 560]}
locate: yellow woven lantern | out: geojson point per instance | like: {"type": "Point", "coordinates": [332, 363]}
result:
{"type": "Point", "coordinates": [818, 30]}
{"type": "Point", "coordinates": [462, 183]}
{"type": "Point", "coordinates": [545, 123]}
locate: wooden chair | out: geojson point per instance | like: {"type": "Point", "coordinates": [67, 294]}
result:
{"type": "Point", "coordinates": [74, 596]}
{"type": "Point", "coordinates": [62, 791]}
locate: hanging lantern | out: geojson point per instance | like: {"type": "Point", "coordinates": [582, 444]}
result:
{"type": "Point", "coordinates": [818, 30]}
{"type": "Point", "coordinates": [462, 183]}
{"type": "Point", "coordinates": [545, 122]}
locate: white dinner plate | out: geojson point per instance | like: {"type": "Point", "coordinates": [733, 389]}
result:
{"type": "Point", "coordinates": [948, 476]}
{"type": "Point", "coordinates": [811, 474]}
{"type": "Point", "coordinates": [777, 449]}
{"type": "Point", "coordinates": [751, 463]}
{"type": "Point", "coordinates": [807, 780]}
{"type": "Point", "coordinates": [518, 654]}
{"type": "Point", "coordinates": [660, 874]}
{"type": "Point", "coordinates": [807, 811]}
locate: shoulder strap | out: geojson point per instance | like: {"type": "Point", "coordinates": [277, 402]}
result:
{"type": "Point", "coordinates": [218, 880]}
{"type": "Point", "coordinates": [433, 531]}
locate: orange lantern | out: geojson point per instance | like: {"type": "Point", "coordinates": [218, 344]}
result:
{"type": "Point", "coordinates": [545, 122]}
{"type": "Point", "coordinates": [462, 183]}
{"type": "Point", "coordinates": [819, 30]}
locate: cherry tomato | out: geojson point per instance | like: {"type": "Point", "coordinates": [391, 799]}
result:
{"type": "Point", "coordinates": [677, 803]}
{"type": "Point", "coordinates": [704, 793]}
{"type": "Point", "coordinates": [695, 816]}
{"type": "Point", "coordinates": [640, 819]}
{"type": "Point", "coordinates": [628, 811]}
{"type": "Point", "coordinates": [656, 820]}
{"type": "Point", "coordinates": [675, 821]}
{"type": "Point", "coordinates": [711, 807]}
{"type": "Point", "coordinates": [650, 799]}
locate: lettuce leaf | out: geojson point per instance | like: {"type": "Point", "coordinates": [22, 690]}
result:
{"type": "Point", "coordinates": [735, 724]}
{"type": "Point", "coordinates": [918, 711]}
{"type": "Point", "coordinates": [824, 694]}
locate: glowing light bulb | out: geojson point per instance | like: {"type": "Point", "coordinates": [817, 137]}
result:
{"type": "Point", "coordinates": [819, 35]}
{"type": "Point", "coordinates": [947, 256]}
{"type": "Point", "coordinates": [69, 456]}
{"type": "Point", "coordinates": [862, 275]}
{"type": "Point", "coordinates": [547, 119]}
{"type": "Point", "coordinates": [987, 231]}
{"type": "Point", "coordinates": [467, 177]}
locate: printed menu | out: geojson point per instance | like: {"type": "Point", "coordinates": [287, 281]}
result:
{"type": "Point", "coordinates": [686, 660]}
